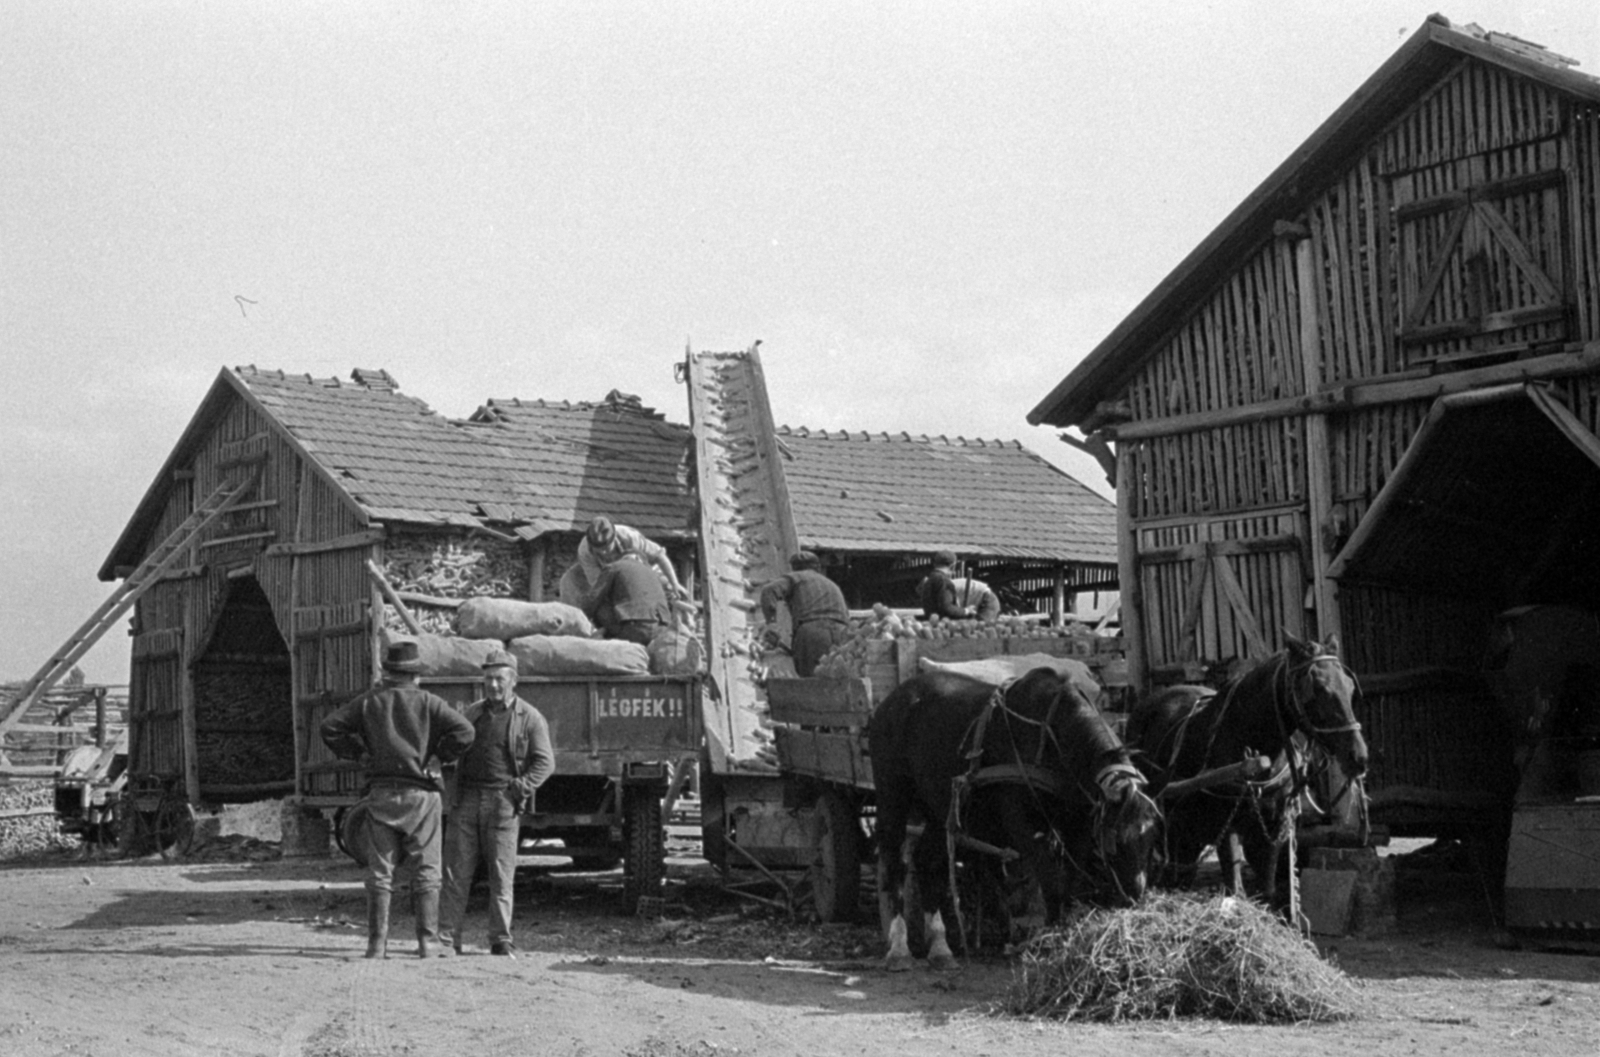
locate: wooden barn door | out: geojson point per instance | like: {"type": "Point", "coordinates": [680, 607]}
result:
{"type": "Point", "coordinates": [1481, 257]}
{"type": "Point", "coordinates": [156, 743]}
{"type": "Point", "coordinates": [1220, 591]}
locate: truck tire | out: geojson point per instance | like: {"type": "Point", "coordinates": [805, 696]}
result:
{"type": "Point", "coordinates": [644, 864]}
{"type": "Point", "coordinates": [836, 858]}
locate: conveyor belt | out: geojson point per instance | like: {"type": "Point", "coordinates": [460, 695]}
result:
{"type": "Point", "coordinates": [746, 536]}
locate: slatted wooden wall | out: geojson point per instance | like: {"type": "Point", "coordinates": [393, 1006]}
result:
{"type": "Point", "coordinates": [1467, 232]}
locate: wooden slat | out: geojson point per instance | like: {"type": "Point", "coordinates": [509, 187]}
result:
{"type": "Point", "coordinates": [820, 702]}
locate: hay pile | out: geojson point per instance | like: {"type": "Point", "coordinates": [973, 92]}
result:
{"type": "Point", "coordinates": [1179, 955]}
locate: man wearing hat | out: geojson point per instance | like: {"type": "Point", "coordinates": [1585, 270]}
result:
{"type": "Point", "coordinates": [938, 594]}
{"type": "Point", "coordinates": [605, 543]}
{"type": "Point", "coordinates": [397, 727]}
{"type": "Point", "coordinates": [816, 608]}
{"type": "Point", "coordinates": [511, 756]}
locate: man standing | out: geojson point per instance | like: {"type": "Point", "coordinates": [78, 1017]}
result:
{"type": "Point", "coordinates": [397, 727]}
{"type": "Point", "coordinates": [510, 757]}
{"type": "Point", "coordinates": [937, 593]}
{"type": "Point", "coordinates": [629, 603]}
{"type": "Point", "coordinates": [816, 609]}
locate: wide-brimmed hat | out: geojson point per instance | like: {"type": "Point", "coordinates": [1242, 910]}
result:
{"type": "Point", "coordinates": [402, 656]}
{"type": "Point", "coordinates": [499, 659]}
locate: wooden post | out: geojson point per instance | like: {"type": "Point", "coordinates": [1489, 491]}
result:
{"type": "Point", "coordinates": [1059, 601]}
{"type": "Point", "coordinates": [100, 716]}
{"type": "Point", "coordinates": [1131, 598]}
{"type": "Point", "coordinates": [536, 559]}
{"type": "Point", "coordinates": [1319, 471]}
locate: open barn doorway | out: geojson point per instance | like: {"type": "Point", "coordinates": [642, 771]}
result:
{"type": "Point", "coordinates": [243, 718]}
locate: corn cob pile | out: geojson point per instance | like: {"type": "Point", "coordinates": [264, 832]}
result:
{"type": "Point", "coordinates": [849, 658]}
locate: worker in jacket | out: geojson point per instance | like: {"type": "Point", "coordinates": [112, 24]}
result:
{"type": "Point", "coordinates": [816, 609]}
{"type": "Point", "coordinates": [629, 603]}
{"type": "Point", "coordinates": [398, 728]}
{"type": "Point", "coordinates": [937, 593]}
{"type": "Point", "coordinates": [511, 756]}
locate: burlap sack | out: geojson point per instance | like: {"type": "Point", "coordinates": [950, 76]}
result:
{"type": "Point", "coordinates": [446, 654]}
{"type": "Point", "coordinates": [565, 655]}
{"type": "Point", "coordinates": [512, 618]}
{"type": "Point", "coordinates": [676, 651]}
{"type": "Point", "coordinates": [997, 670]}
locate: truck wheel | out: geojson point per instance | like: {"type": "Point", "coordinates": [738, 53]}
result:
{"type": "Point", "coordinates": [645, 864]}
{"type": "Point", "coordinates": [174, 827]}
{"type": "Point", "coordinates": [836, 858]}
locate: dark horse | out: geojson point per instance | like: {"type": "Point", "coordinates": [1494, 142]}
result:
{"type": "Point", "coordinates": [1182, 731]}
{"type": "Point", "coordinates": [1034, 766]}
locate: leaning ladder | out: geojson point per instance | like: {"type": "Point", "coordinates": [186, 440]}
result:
{"type": "Point", "coordinates": [144, 577]}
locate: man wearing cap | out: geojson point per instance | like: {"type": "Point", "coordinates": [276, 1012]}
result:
{"type": "Point", "coordinates": [816, 609]}
{"type": "Point", "coordinates": [938, 594]}
{"type": "Point", "coordinates": [629, 602]}
{"type": "Point", "coordinates": [397, 727]}
{"type": "Point", "coordinates": [511, 756]}
{"type": "Point", "coordinates": [606, 543]}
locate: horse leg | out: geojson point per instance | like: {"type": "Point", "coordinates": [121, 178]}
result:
{"type": "Point", "coordinates": [891, 885]}
{"type": "Point", "coordinates": [932, 868]}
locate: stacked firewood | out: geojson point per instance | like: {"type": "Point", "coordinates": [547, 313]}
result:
{"type": "Point", "coordinates": [450, 568]}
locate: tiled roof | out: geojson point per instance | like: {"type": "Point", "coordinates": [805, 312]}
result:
{"type": "Point", "coordinates": [881, 492]}
{"type": "Point", "coordinates": [549, 466]}
{"type": "Point", "coordinates": [538, 466]}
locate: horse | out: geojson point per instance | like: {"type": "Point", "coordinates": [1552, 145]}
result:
{"type": "Point", "coordinates": [1182, 731]}
{"type": "Point", "coordinates": [1033, 764]}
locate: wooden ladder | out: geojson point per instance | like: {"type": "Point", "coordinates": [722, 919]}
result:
{"type": "Point", "coordinates": [145, 576]}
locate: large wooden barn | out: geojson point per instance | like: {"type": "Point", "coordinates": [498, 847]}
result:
{"type": "Point", "coordinates": [272, 615]}
{"type": "Point", "coordinates": [1367, 404]}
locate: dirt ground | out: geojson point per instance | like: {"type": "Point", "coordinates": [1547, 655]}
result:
{"type": "Point", "coordinates": [256, 955]}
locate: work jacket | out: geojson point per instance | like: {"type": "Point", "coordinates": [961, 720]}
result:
{"type": "Point", "coordinates": [533, 758]}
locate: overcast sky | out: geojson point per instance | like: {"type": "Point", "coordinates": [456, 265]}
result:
{"type": "Point", "coordinates": [927, 212]}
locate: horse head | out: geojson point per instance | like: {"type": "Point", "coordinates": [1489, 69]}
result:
{"type": "Point", "coordinates": [1128, 827]}
{"type": "Point", "coordinates": [1322, 692]}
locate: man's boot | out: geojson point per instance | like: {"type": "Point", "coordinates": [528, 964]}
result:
{"type": "Point", "coordinates": [429, 943]}
{"type": "Point", "coordinates": [377, 924]}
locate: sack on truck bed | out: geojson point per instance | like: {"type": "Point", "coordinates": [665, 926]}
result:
{"type": "Point", "coordinates": [446, 654]}
{"type": "Point", "coordinates": [675, 651]}
{"type": "Point", "coordinates": [998, 670]}
{"type": "Point", "coordinates": [511, 618]}
{"type": "Point", "coordinates": [565, 655]}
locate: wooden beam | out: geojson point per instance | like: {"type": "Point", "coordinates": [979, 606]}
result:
{"type": "Point", "coordinates": [1576, 360]}
{"type": "Point", "coordinates": [383, 585]}
{"type": "Point", "coordinates": [350, 541]}
{"type": "Point", "coordinates": [1319, 461]}
{"type": "Point", "coordinates": [1130, 592]}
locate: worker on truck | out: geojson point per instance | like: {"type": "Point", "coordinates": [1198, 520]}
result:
{"type": "Point", "coordinates": [606, 542]}
{"type": "Point", "coordinates": [397, 727]}
{"type": "Point", "coordinates": [937, 594]}
{"type": "Point", "coordinates": [629, 602]}
{"type": "Point", "coordinates": [816, 609]}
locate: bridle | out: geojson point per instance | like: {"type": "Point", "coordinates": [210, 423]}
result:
{"type": "Point", "coordinates": [1300, 676]}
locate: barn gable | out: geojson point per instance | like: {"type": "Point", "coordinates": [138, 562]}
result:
{"type": "Point", "coordinates": [1367, 404]}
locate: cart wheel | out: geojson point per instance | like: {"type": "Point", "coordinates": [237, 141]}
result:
{"type": "Point", "coordinates": [174, 827]}
{"type": "Point", "coordinates": [644, 867]}
{"type": "Point", "coordinates": [836, 861]}
{"type": "Point", "coordinates": [350, 831]}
